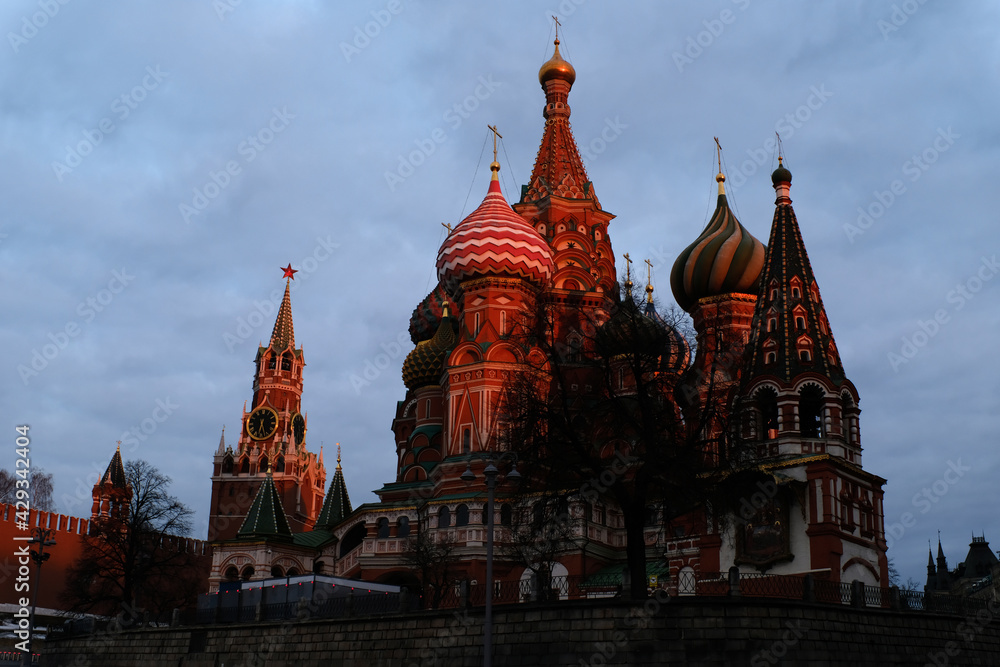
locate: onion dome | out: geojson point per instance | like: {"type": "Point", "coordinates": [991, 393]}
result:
{"type": "Point", "coordinates": [676, 355]}
{"type": "Point", "coordinates": [424, 364]}
{"type": "Point", "coordinates": [494, 240]}
{"type": "Point", "coordinates": [427, 315]}
{"type": "Point", "coordinates": [556, 68]}
{"type": "Point", "coordinates": [630, 331]}
{"type": "Point", "coordinates": [781, 175]}
{"type": "Point", "coordinates": [726, 258]}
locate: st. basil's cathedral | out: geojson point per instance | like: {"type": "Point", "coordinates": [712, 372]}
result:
{"type": "Point", "coordinates": [759, 321]}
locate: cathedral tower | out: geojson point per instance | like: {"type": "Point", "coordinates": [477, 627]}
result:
{"type": "Point", "coordinates": [272, 435]}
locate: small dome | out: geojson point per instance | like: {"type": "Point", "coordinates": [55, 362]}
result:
{"type": "Point", "coordinates": [781, 175]}
{"type": "Point", "coordinates": [556, 68]}
{"type": "Point", "coordinates": [724, 259]}
{"type": "Point", "coordinates": [426, 316]}
{"type": "Point", "coordinates": [424, 364]}
{"type": "Point", "coordinates": [629, 330]}
{"type": "Point", "coordinates": [494, 240]}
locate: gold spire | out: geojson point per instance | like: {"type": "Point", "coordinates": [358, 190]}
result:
{"type": "Point", "coordinates": [338, 455]}
{"type": "Point", "coordinates": [721, 179]}
{"type": "Point", "coordinates": [494, 166]}
{"type": "Point", "coordinates": [649, 281]}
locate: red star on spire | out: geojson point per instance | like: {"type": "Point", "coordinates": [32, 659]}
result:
{"type": "Point", "coordinates": [289, 271]}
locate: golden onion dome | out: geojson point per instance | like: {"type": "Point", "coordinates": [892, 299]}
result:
{"type": "Point", "coordinates": [423, 366]}
{"type": "Point", "coordinates": [557, 68]}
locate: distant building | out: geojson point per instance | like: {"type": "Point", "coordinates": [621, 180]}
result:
{"type": "Point", "coordinates": [978, 575]}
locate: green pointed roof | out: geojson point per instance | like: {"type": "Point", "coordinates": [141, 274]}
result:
{"type": "Point", "coordinates": [266, 517]}
{"type": "Point", "coordinates": [337, 504]}
{"type": "Point", "coordinates": [116, 471]}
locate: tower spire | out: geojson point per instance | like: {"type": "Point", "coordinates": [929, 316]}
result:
{"type": "Point", "coordinates": [283, 335]}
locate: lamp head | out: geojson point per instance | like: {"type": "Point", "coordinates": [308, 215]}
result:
{"type": "Point", "coordinates": [468, 476]}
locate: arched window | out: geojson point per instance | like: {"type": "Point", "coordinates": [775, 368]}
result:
{"type": "Point", "coordinates": [262, 464]}
{"type": "Point", "coordinates": [506, 515]}
{"type": "Point", "coordinates": [232, 574]}
{"type": "Point", "coordinates": [403, 527]}
{"type": "Point", "coordinates": [796, 293]}
{"type": "Point", "coordinates": [292, 572]}
{"type": "Point", "coordinates": [770, 358]}
{"type": "Point", "coordinates": [805, 356]}
{"type": "Point", "coordinates": [271, 362]}
{"type": "Point", "coordinates": [503, 322]}
{"type": "Point", "coordinates": [811, 412]}
{"type": "Point", "coordinates": [800, 322]}
{"type": "Point", "coordinates": [245, 466]}
{"type": "Point", "coordinates": [466, 441]}
{"type": "Point", "coordinates": [247, 573]}
{"type": "Point", "coordinates": [353, 538]}
{"type": "Point", "coordinates": [846, 426]}
{"type": "Point", "coordinates": [279, 465]}
{"type": "Point", "coordinates": [772, 323]}
{"type": "Point", "coordinates": [286, 362]}
{"type": "Point", "coordinates": [276, 571]}
{"type": "Point", "coordinates": [319, 567]}
{"type": "Point", "coordinates": [382, 528]}
{"type": "Point", "coordinates": [444, 517]}
{"type": "Point", "coordinates": [767, 406]}
{"type": "Point", "coordinates": [462, 515]}
{"type": "Point", "coordinates": [227, 465]}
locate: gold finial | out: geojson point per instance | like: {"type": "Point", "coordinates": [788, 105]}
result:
{"type": "Point", "coordinates": [649, 281]}
{"type": "Point", "coordinates": [494, 166]}
{"type": "Point", "coordinates": [778, 137]}
{"type": "Point", "coordinates": [269, 471]}
{"type": "Point", "coordinates": [338, 454]}
{"type": "Point", "coordinates": [446, 226]}
{"type": "Point", "coordinates": [119, 449]}
{"type": "Point", "coordinates": [445, 312]}
{"type": "Point", "coordinates": [556, 19]}
{"type": "Point", "coordinates": [720, 179]}
{"type": "Point", "coordinates": [628, 271]}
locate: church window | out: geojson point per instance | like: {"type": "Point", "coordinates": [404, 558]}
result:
{"type": "Point", "coordinates": [811, 412]}
{"type": "Point", "coordinates": [774, 294]}
{"type": "Point", "coordinates": [796, 293]}
{"type": "Point", "coordinates": [381, 528]}
{"type": "Point", "coordinates": [770, 358]}
{"type": "Point", "coordinates": [353, 538]}
{"type": "Point", "coordinates": [232, 574]}
{"type": "Point", "coordinates": [444, 517]}
{"type": "Point", "coordinates": [772, 323]}
{"type": "Point", "coordinates": [245, 466]}
{"type": "Point", "coordinates": [279, 465]}
{"type": "Point", "coordinates": [477, 323]}
{"type": "Point", "coordinates": [767, 406]}
{"type": "Point", "coordinates": [462, 515]}
{"type": "Point", "coordinates": [503, 322]}
{"type": "Point", "coordinates": [804, 356]}
{"type": "Point", "coordinates": [271, 362]}
{"type": "Point", "coordinates": [227, 465]}
{"type": "Point", "coordinates": [247, 573]}
{"type": "Point", "coordinates": [466, 441]}
{"type": "Point", "coordinates": [318, 567]}
{"type": "Point", "coordinates": [403, 527]}
{"type": "Point", "coordinates": [286, 362]}
{"type": "Point", "coordinates": [262, 464]}
{"type": "Point", "coordinates": [427, 409]}
{"type": "Point", "coordinates": [276, 571]}
{"type": "Point", "coordinates": [292, 572]}
{"type": "Point", "coordinates": [800, 322]}
{"type": "Point", "coordinates": [506, 515]}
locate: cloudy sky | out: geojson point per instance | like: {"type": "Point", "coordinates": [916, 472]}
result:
{"type": "Point", "coordinates": [161, 161]}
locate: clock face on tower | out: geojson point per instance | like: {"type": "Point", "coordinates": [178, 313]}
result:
{"type": "Point", "coordinates": [299, 428]}
{"type": "Point", "coordinates": [261, 423]}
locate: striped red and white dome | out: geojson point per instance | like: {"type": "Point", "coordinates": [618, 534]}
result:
{"type": "Point", "coordinates": [494, 240]}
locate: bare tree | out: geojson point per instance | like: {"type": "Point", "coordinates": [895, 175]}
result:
{"type": "Point", "coordinates": [608, 405]}
{"type": "Point", "coordinates": [38, 483]}
{"type": "Point", "coordinates": [434, 562]}
{"type": "Point", "coordinates": [138, 561]}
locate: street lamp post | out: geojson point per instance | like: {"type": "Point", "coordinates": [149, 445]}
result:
{"type": "Point", "coordinates": [490, 473]}
{"type": "Point", "coordinates": [42, 538]}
